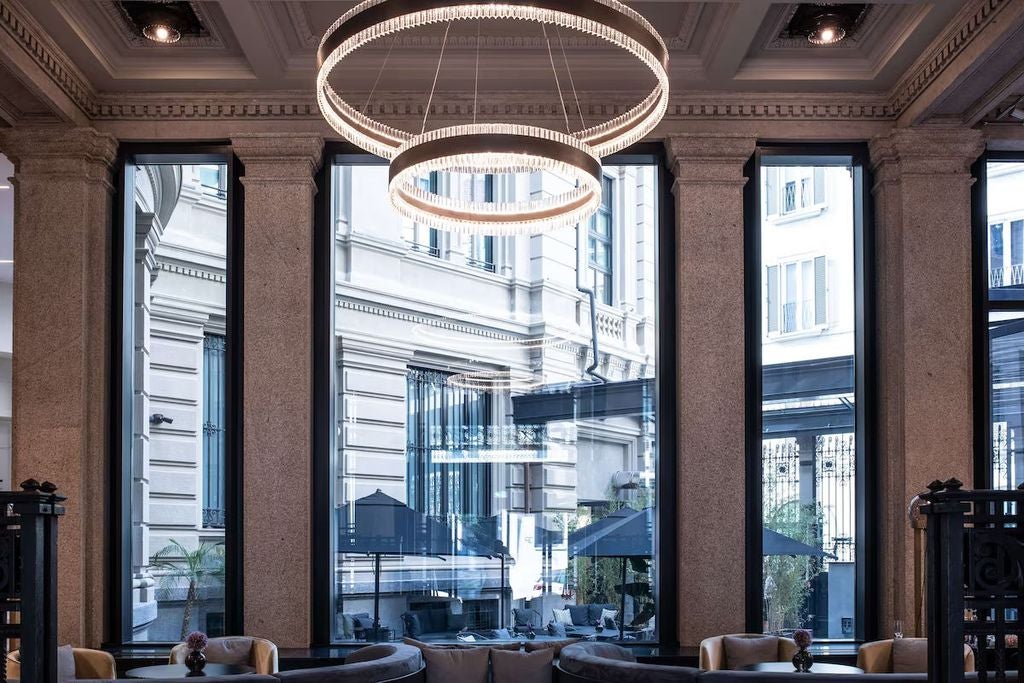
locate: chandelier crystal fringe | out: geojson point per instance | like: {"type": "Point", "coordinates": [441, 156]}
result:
{"type": "Point", "coordinates": [495, 147]}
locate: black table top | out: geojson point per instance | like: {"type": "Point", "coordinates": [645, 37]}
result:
{"type": "Point", "coordinates": [181, 671]}
{"type": "Point", "coordinates": [817, 668]}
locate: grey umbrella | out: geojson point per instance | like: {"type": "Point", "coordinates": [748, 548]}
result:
{"type": "Point", "coordinates": [624, 534]}
{"type": "Point", "coordinates": [774, 543]}
{"type": "Point", "coordinates": [378, 525]}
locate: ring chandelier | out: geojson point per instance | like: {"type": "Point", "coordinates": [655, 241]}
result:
{"type": "Point", "coordinates": [494, 147]}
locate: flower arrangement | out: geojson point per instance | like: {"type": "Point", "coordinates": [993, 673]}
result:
{"type": "Point", "coordinates": [802, 638]}
{"type": "Point", "coordinates": [196, 640]}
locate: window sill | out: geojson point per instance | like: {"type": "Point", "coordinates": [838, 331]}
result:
{"type": "Point", "coordinates": [799, 215]}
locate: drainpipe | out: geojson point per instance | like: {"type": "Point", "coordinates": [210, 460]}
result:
{"type": "Point", "coordinates": [589, 291]}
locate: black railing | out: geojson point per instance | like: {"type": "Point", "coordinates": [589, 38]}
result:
{"type": "Point", "coordinates": [28, 578]}
{"type": "Point", "coordinates": [975, 579]}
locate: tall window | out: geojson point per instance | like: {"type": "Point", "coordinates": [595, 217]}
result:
{"type": "Point", "coordinates": [1000, 221]}
{"type": "Point", "coordinates": [176, 443]}
{"type": "Point", "coordinates": [810, 444]}
{"type": "Point", "coordinates": [6, 316]}
{"type": "Point", "coordinates": [214, 430]}
{"type": "Point", "coordinates": [421, 237]}
{"type": "Point", "coordinates": [444, 420]}
{"type": "Point", "coordinates": [599, 244]}
{"type": "Point", "coordinates": [476, 439]}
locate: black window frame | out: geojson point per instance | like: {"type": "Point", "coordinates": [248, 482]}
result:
{"type": "Point", "coordinates": [118, 627]}
{"type": "Point", "coordinates": [983, 306]}
{"type": "Point", "coordinates": [594, 236]}
{"type": "Point", "coordinates": [324, 432]}
{"type": "Point", "coordinates": [865, 370]}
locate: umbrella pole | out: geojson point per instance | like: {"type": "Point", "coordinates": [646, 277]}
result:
{"type": "Point", "coordinates": [501, 597]}
{"type": "Point", "coordinates": [376, 594]}
{"type": "Point", "coordinates": [622, 611]}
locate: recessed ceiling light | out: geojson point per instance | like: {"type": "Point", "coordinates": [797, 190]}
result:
{"type": "Point", "coordinates": [829, 29]}
{"type": "Point", "coordinates": [162, 33]}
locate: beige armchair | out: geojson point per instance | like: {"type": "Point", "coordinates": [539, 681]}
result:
{"type": "Point", "coordinates": [877, 657]}
{"type": "Point", "coordinates": [89, 664]}
{"type": "Point", "coordinates": [714, 655]}
{"type": "Point", "coordinates": [259, 653]}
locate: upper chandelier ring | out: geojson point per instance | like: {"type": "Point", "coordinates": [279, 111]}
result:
{"type": "Point", "coordinates": [609, 20]}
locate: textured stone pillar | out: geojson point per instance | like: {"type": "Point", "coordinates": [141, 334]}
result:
{"type": "Point", "coordinates": [710, 461]}
{"type": "Point", "coordinates": [62, 214]}
{"type": "Point", "coordinates": [922, 196]}
{"type": "Point", "coordinates": [277, 384]}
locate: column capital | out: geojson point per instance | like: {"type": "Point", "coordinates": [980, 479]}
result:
{"type": "Point", "coordinates": [278, 156]}
{"type": "Point", "coordinates": [926, 150]}
{"type": "Point", "coordinates": [34, 149]}
{"type": "Point", "coordinates": [709, 157]}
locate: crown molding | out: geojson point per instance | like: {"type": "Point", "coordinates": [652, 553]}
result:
{"type": "Point", "coordinates": [285, 105]}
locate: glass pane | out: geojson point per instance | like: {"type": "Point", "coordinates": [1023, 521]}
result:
{"type": "Point", "coordinates": [179, 423]}
{"type": "Point", "coordinates": [6, 316]}
{"type": "Point", "coordinates": [808, 453]}
{"type": "Point", "coordinates": [1006, 230]}
{"type": "Point", "coordinates": [481, 482]}
{"type": "Point", "coordinates": [1006, 346]}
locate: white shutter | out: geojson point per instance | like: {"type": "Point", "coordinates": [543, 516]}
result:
{"type": "Point", "coordinates": [820, 292]}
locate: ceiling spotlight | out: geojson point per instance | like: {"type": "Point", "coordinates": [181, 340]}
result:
{"type": "Point", "coordinates": [828, 30]}
{"type": "Point", "coordinates": [161, 33]}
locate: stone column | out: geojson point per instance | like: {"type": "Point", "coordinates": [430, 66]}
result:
{"type": "Point", "coordinates": [710, 461]}
{"type": "Point", "coordinates": [62, 215]}
{"type": "Point", "coordinates": [277, 387]}
{"type": "Point", "coordinates": [922, 190]}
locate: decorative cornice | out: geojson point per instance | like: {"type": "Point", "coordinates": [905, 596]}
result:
{"type": "Point", "coordinates": [967, 25]}
{"type": "Point", "coordinates": [926, 150]}
{"type": "Point", "coordinates": [128, 106]}
{"type": "Point", "coordinates": [50, 58]}
{"type": "Point", "coordinates": [53, 142]}
{"type": "Point", "coordinates": [191, 271]}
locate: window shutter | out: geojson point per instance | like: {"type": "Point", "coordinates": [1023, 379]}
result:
{"type": "Point", "coordinates": [772, 303]}
{"type": "Point", "coordinates": [771, 189]}
{"type": "Point", "coordinates": [820, 289]}
{"type": "Point", "coordinates": [819, 185]}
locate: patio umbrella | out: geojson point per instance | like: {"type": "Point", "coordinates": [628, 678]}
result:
{"type": "Point", "coordinates": [774, 543]}
{"type": "Point", "coordinates": [378, 525]}
{"type": "Point", "coordinates": [623, 534]}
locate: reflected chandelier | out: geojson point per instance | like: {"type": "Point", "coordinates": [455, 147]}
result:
{"type": "Point", "coordinates": [494, 147]}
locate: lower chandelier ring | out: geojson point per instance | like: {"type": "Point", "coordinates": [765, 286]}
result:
{"type": "Point", "coordinates": [492, 148]}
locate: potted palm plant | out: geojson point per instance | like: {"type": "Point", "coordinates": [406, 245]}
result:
{"type": "Point", "coordinates": [178, 566]}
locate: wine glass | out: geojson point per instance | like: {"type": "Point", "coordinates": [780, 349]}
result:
{"type": "Point", "coordinates": [897, 629]}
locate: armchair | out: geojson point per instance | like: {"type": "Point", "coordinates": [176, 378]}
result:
{"type": "Point", "coordinates": [89, 664]}
{"type": "Point", "coordinates": [718, 652]}
{"type": "Point", "coordinates": [877, 657]}
{"type": "Point", "coordinates": [259, 653]}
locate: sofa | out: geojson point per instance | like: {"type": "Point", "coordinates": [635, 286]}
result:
{"type": "Point", "coordinates": [593, 662]}
{"type": "Point", "coordinates": [584, 620]}
{"type": "Point", "coordinates": [432, 623]}
{"type": "Point", "coordinates": [878, 656]}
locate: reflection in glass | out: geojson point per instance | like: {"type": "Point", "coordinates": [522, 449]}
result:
{"type": "Point", "coordinates": [179, 424]}
{"type": "Point", "coordinates": [808, 454]}
{"type": "Point", "coordinates": [492, 480]}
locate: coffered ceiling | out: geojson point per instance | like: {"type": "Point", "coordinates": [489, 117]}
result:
{"type": "Point", "coordinates": [259, 45]}
{"type": "Point", "coordinates": [260, 55]}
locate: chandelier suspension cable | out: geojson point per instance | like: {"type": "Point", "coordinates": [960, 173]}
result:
{"type": "Point", "coordinates": [551, 58]}
{"type": "Point", "coordinates": [444, 41]}
{"type": "Point", "coordinates": [476, 75]}
{"type": "Point", "coordinates": [380, 73]}
{"type": "Point", "coordinates": [568, 70]}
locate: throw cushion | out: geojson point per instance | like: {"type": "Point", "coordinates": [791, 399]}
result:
{"type": "Point", "coordinates": [66, 663]}
{"type": "Point", "coordinates": [465, 666]}
{"type": "Point", "coordinates": [556, 630]}
{"type": "Point", "coordinates": [562, 616]}
{"type": "Point", "coordinates": [502, 633]}
{"type": "Point", "coordinates": [456, 622]}
{"type": "Point", "coordinates": [522, 667]}
{"type": "Point", "coordinates": [346, 625]}
{"type": "Point", "coordinates": [608, 617]}
{"type": "Point", "coordinates": [910, 656]}
{"type": "Point", "coordinates": [743, 651]}
{"type": "Point", "coordinates": [361, 620]}
{"type": "Point", "coordinates": [578, 614]}
{"type": "Point", "coordinates": [437, 619]}
{"type": "Point", "coordinates": [526, 617]}
{"type": "Point", "coordinates": [413, 627]}
{"type": "Point", "coordinates": [556, 645]}
{"type": "Point", "coordinates": [594, 613]}
{"type": "Point", "coordinates": [229, 650]}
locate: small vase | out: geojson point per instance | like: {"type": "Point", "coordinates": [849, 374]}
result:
{"type": "Point", "coordinates": [195, 660]}
{"type": "Point", "coordinates": [802, 660]}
